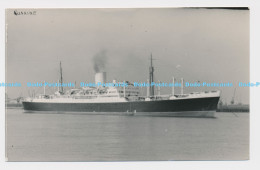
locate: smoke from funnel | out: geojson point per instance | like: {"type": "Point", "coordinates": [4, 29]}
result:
{"type": "Point", "coordinates": [100, 60]}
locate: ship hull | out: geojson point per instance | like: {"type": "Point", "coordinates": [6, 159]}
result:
{"type": "Point", "coordinates": [194, 107]}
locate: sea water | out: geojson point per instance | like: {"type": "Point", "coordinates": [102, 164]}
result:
{"type": "Point", "coordinates": [81, 137]}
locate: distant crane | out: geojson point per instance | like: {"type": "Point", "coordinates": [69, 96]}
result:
{"type": "Point", "coordinates": [18, 99]}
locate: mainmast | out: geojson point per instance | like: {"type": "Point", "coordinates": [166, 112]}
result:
{"type": "Point", "coordinates": [151, 70]}
{"type": "Point", "coordinates": [61, 81]}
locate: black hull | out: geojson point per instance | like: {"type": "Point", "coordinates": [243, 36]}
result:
{"type": "Point", "coordinates": [182, 107]}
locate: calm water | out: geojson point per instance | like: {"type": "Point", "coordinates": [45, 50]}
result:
{"type": "Point", "coordinates": [78, 137]}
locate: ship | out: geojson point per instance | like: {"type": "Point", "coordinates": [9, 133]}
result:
{"type": "Point", "coordinates": [125, 100]}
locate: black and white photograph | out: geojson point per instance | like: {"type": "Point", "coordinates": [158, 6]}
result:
{"type": "Point", "coordinates": [127, 84]}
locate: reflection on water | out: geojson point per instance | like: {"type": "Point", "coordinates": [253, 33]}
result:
{"type": "Point", "coordinates": [79, 137]}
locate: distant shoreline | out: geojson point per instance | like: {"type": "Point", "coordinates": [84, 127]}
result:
{"type": "Point", "coordinates": [233, 108]}
{"type": "Point", "coordinates": [9, 105]}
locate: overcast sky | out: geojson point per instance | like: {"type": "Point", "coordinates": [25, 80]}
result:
{"type": "Point", "coordinates": [209, 45]}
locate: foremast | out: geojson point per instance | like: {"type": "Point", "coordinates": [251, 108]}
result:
{"type": "Point", "coordinates": [61, 80]}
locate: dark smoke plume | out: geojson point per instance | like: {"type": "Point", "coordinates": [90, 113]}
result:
{"type": "Point", "coordinates": [100, 60]}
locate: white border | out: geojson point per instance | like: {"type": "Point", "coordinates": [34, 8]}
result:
{"type": "Point", "coordinates": [253, 163]}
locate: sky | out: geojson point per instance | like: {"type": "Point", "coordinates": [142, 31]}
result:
{"type": "Point", "coordinates": [196, 44]}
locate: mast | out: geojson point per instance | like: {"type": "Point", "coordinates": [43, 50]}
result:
{"type": "Point", "coordinates": [173, 82]}
{"type": "Point", "coordinates": [233, 98]}
{"type": "Point", "coordinates": [44, 88]}
{"type": "Point", "coordinates": [182, 85]}
{"type": "Point", "coordinates": [61, 81]}
{"type": "Point", "coordinates": [124, 88]}
{"type": "Point", "coordinates": [159, 88]}
{"type": "Point", "coordinates": [151, 70]}
{"type": "Point", "coordinates": [148, 89]}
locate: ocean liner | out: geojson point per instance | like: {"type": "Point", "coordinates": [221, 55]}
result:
{"type": "Point", "coordinates": [125, 100]}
